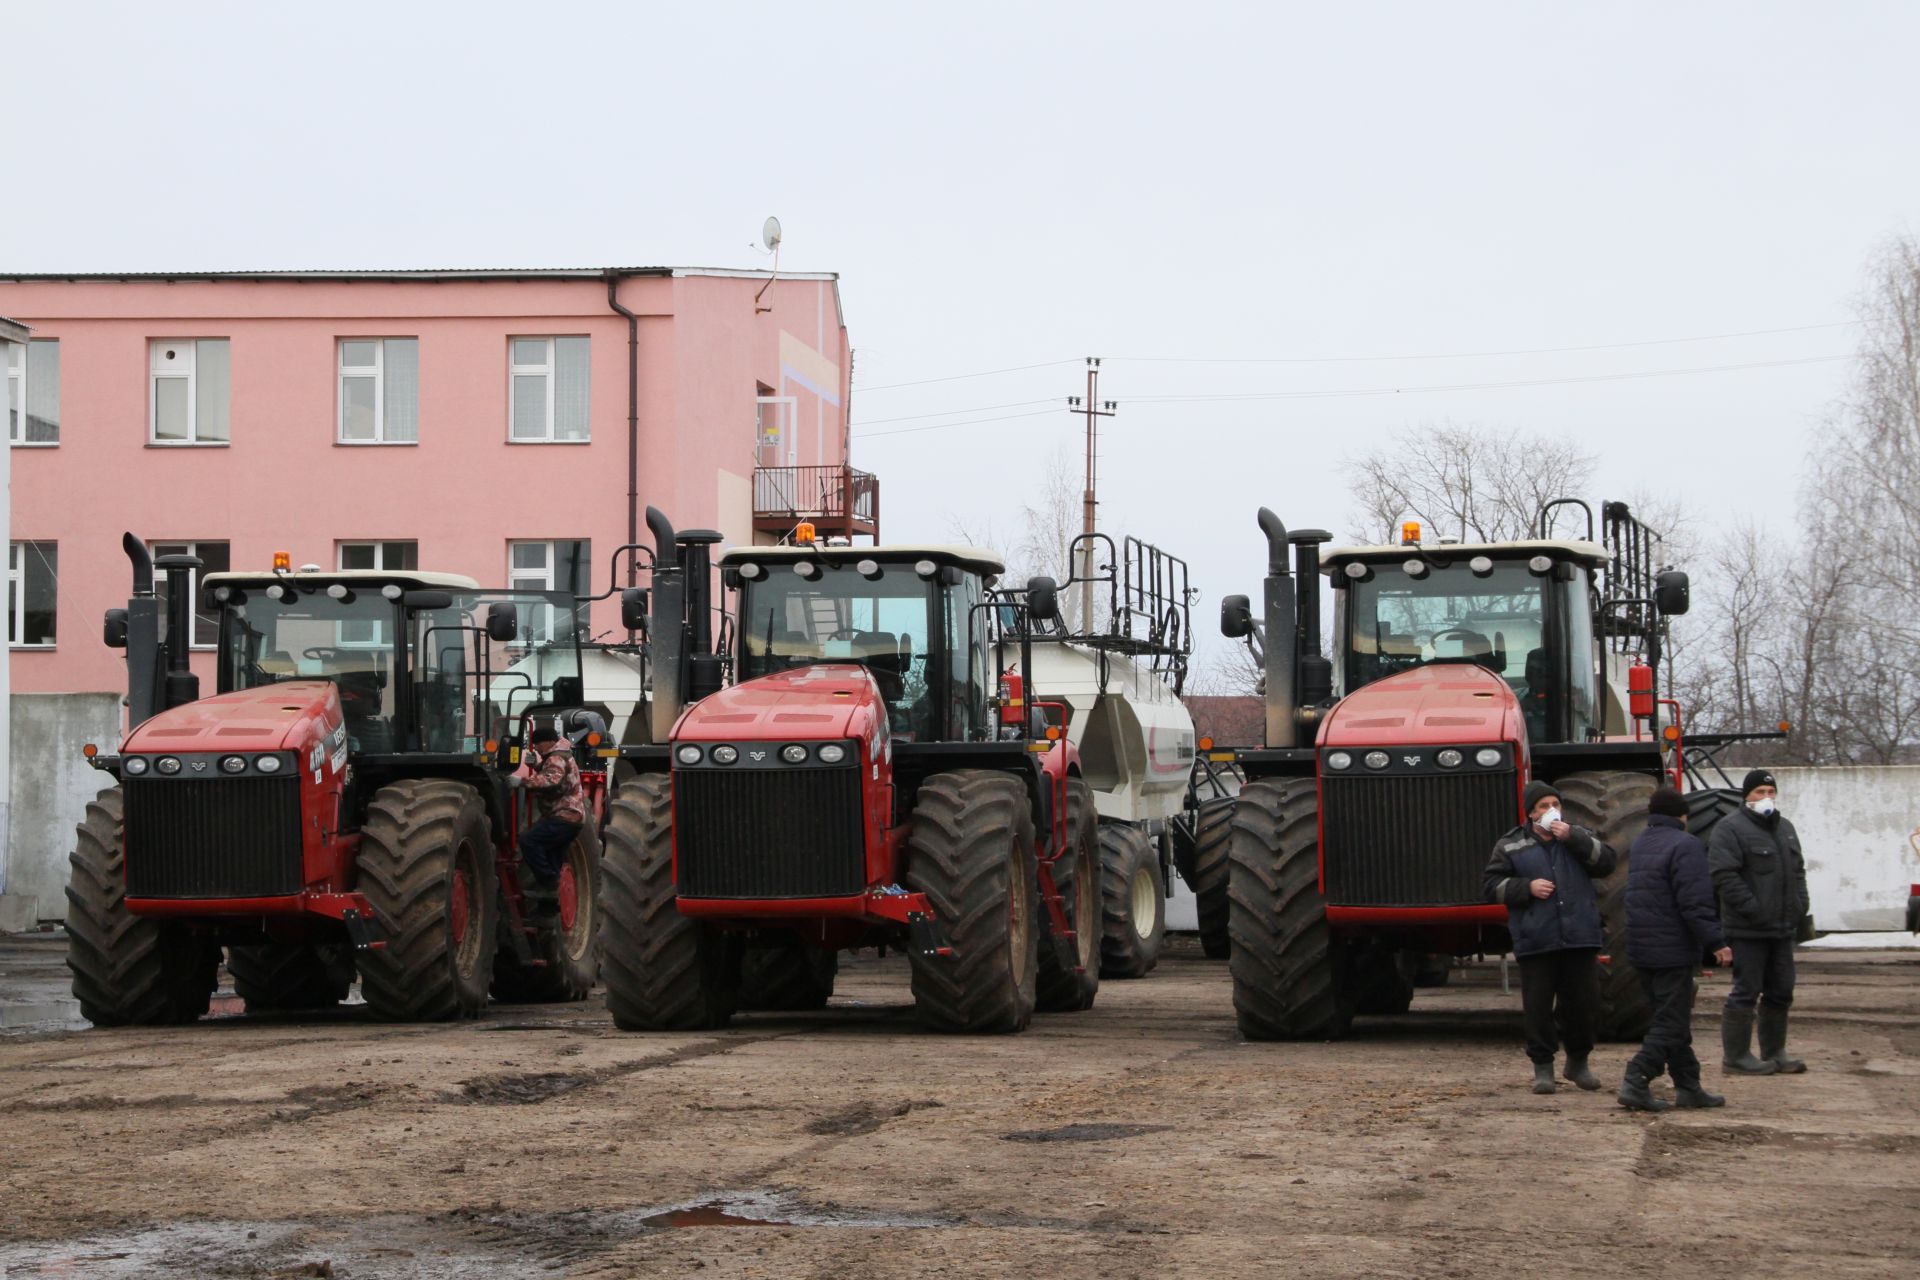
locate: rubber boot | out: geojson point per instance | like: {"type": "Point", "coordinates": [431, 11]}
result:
{"type": "Point", "coordinates": [1736, 1044]}
{"type": "Point", "coordinates": [1543, 1078]}
{"type": "Point", "coordinates": [1773, 1042]}
{"type": "Point", "coordinates": [1635, 1096]}
{"type": "Point", "coordinates": [1578, 1072]}
{"type": "Point", "coordinates": [1692, 1095]}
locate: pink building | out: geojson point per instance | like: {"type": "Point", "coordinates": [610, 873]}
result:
{"type": "Point", "coordinates": [507, 425]}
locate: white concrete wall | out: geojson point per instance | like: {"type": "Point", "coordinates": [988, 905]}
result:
{"type": "Point", "coordinates": [1860, 829]}
{"type": "Point", "coordinates": [51, 782]}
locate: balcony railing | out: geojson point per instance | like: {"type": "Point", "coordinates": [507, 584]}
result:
{"type": "Point", "coordinates": [837, 500]}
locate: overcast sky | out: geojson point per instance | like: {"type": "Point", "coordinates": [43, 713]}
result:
{"type": "Point", "coordinates": [1221, 200]}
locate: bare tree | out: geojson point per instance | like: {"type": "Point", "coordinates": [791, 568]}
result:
{"type": "Point", "coordinates": [1048, 525]}
{"type": "Point", "coordinates": [1477, 483]}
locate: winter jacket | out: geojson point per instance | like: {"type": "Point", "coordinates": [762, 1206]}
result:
{"type": "Point", "coordinates": [1759, 874]}
{"type": "Point", "coordinates": [1570, 918]}
{"type": "Point", "coordinates": [1671, 914]}
{"type": "Point", "coordinates": [555, 784]}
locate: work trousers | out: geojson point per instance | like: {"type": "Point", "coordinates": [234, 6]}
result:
{"type": "Point", "coordinates": [1560, 992]}
{"type": "Point", "coordinates": [1668, 1045]}
{"type": "Point", "coordinates": [544, 847]}
{"type": "Point", "coordinates": [1763, 971]}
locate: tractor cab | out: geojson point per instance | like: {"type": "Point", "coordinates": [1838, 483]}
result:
{"type": "Point", "coordinates": [912, 617]}
{"type": "Point", "coordinates": [1521, 610]}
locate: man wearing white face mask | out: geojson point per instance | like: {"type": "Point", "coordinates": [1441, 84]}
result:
{"type": "Point", "coordinates": [1543, 870]}
{"type": "Point", "coordinates": [1761, 879]}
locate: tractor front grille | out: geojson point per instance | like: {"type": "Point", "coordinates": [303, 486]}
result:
{"type": "Point", "coordinates": [1413, 840]}
{"type": "Point", "coordinates": [213, 837]}
{"type": "Point", "coordinates": [768, 833]}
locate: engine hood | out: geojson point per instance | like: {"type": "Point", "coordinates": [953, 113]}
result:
{"type": "Point", "coordinates": [812, 703]}
{"type": "Point", "coordinates": [275, 717]}
{"type": "Point", "coordinates": [1440, 704]}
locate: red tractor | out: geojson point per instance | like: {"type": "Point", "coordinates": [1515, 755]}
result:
{"type": "Point", "coordinates": [1459, 672]}
{"type": "Point", "coordinates": [338, 807]}
{"type": "Point", "coordinates": [855, 785]}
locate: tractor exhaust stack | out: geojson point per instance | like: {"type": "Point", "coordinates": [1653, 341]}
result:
{"type": "Point", "coordinates": [1283, 639]}
{"type": "Point", "coordinates": [668, 629]}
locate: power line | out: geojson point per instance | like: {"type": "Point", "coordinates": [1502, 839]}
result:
{"type": "Point", "coordinates": [956, 377]}
{"type": "Point", "coordinates": [948, 413]}
{"type": "Point", "coordinates": [1387, 391]}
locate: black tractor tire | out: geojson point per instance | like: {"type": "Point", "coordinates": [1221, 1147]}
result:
{"type": "Point", "coordinates": [1070, 967]}
{"type": "Point", "coordinates": [1613, 805]}
{"type": "Point", "coordinates": [571, 953]}
{"type": "Point", "coordinates": [1209, 873]}
{"type": "Point", "coordinates": [1287, 980]}
{"type": "Point", "coordinates": [426, 865]}
{"type": "Point", "coordinates": [1707, 806]}
{"type": "Point", "coordinates": [1378, 983]}
{"type": "Point", "coordinates": [663, 971]}
{"type": "Point", "coordinates": [971, 853]}
{"type": "Point", "coordinates": [1134, 897]}
{"type": "Point", "coordinates": [788, 978]}
{"type": "Point", "coordinates": [291, 975]}
{"type": "Point", "coordinates": [1427, 969]}
{"type": "Point", "coordinates": [128, 970]}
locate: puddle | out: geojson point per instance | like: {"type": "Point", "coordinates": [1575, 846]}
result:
{"type": "Point", "coordinates": [1085, 1133]}
{"type": "Point", "coordinates": [522, 1090]}
{"type": "Point", "coordinates": [773, 1209]}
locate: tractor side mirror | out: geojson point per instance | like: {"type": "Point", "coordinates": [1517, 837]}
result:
{"type": "Point", "coordinates": [1236, 617]}
{"type": "Point", "coordinates": [114, 629]}
{"type": "Point", "coordinates": [1043, 598]}
{"type": "Point", "coordinates": [503, 622]}
{"type": "Point", "coordinates": [427, 601]}
{"type": "Point", "coordinates": [1671, 593]}
{"type": "Point", "coordinates": [633, 609]}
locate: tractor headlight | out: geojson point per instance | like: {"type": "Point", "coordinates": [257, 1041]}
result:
{"type": "Point", "coordinates": [233, 764]}
{"type": "Point", "coordinates": [1449, 759]}
{"type": "Point", "coordinates": [1539, 564]}
{"type": "Point", "coordinates": [135, 765]}
{"type": "Point", "coordinates": [688, 754]}
{"type": "Point", "coordinates": [268, 764]}
{"type": "Point", "coordinates": [794, 753]}
{"type": "Point", "coordinates": [1377, 759]}
{"type": "Point", "coordinates": [167, 764]}
{"type": "Point", "coordinates": [832, 753]}
{"type": "Point", "coordinates": [725, 754]}
{"type": "Point", "coordinates": [1487, 757]}
{"type": "Point", "coordinates": [1339, 760]}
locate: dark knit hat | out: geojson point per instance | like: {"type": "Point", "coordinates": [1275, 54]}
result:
{"type": "Point", "coordinates": [543, 735]}
{"type": "Point", "coordinates": [1666, 800]}
{"type": "Point", "coordinates": [1535, 793]}
{"type": "Point", "coordinates": [1755, 778]}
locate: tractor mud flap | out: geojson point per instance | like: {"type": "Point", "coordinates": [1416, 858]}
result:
{"type": "Point", "coordinates": [923, 931]}
{"type": "Point", "coordinates": [364, 929]}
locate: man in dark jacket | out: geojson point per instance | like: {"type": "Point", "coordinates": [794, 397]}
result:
{"type": "Point", "coordinates": [1671, 922]}
{"type": "Point", "coordinates": [1543, 870]}
{"type": "Point", "coordinates": [1761, 878]}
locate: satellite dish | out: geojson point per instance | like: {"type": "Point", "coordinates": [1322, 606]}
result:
{"type": "Point", "coordinates": [770, 234]}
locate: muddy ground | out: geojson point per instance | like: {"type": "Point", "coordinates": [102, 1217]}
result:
{"type": "Point", "coordinates": [1142, 1138]}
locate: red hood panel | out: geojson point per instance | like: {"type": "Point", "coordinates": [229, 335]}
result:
{"type": "Point", "coordinates": [1444, 703]}
{"type": "Point", "coordinates": [826, 700]}
{"type": "Point", "coordinates": [274, 717]}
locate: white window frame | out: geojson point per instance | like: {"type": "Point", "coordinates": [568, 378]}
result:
{"type": "Point", "coordinates": [192, 378]}
{"type": "Point", "coordinates": [376, 638]}
{"type": "Point", "coordinates": [193, 583]}
{"type": "Point", "coordinates": [17, 591]}
{"type": "Point", "coordinates": [342, 371]}
{"type": "Point", "coordinates": [786, 415]}
{"type": "Point", "coordinates": [550, 372]}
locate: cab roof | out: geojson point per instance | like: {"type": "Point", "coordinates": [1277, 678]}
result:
{"type": "Point", "coordinates": [405, 578]}
{"type": "Point", "coordinates": [1591, 554]}
{"type": "Point", "coordinates": [971, 559]}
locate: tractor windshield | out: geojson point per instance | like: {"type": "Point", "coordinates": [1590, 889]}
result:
{"type": "Point", "coordinates": [310, 635]}
{"type": "Point", "coordinates": [1395, 622]}
{"type": "Point", "coordinates": [885, 623]}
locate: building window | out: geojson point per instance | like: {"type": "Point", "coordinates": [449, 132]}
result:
{"type": "Point", "coordinates": [215, 558]}
{"type": "Point", "coordinates": [377, 556]}
{"type": "Point", "coordinates": [188, 388]}
{"type": "Point", "coordinates": [33, 582]}
{"type": "Point", "coordinates": [33, 392]}
{"type": "Point", "coordinates": [548, 566]}
{"type": "Point", "coordinates": [548, 389]}
{"type": "Point", "coordinates": [379, 390]}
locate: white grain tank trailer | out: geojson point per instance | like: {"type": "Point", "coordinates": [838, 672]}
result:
{"type": "Point", "coordinates": [1117, 685]}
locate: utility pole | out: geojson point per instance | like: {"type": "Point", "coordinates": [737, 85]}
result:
{"type": "Point", "coordinates": [1094, 408]}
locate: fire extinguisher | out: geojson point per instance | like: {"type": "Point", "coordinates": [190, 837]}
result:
{"type": "Point", "coordinates": [1640, 691]}
{"type": "Point", "coordinates": [1012, 699]}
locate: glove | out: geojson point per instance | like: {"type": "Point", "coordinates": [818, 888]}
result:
{"type": "Point", "coordinates": [516, 780]}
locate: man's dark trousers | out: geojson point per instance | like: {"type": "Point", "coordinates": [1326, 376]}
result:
{"type": "Point", "coordinates": [1668, 1045]}
{"type": "Point", "coordinates": [1573, 979]}
{"type": "Point", "coordinates": [544, 847]}
{"type": "Point", "coordinates": [1762, 969]}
